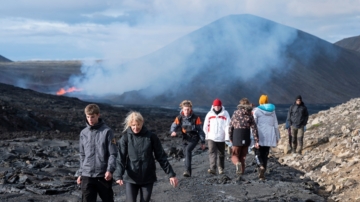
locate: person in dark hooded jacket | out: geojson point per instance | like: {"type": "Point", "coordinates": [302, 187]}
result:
{"type": "Point", "coordinates": [242, 121]}
{"type": "Point", "coordinates": [191, 129]}
{"type": "Point", "coordinates": [298, 116]}
{"type": "Point", "coordinates": [135, 166]}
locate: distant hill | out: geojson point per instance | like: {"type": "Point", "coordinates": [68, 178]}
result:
{"type": "Point", "coordinates": [42, 76]}
{"type": "Point", "coordinates": [246, 56]}
{"type": "Point", "coordinates": [4, 59]}
{"type": "Point", "coordinates": [352, 43]}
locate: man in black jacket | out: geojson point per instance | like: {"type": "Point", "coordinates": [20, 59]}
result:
{"type": "Point", "coordinates": [297, 116]}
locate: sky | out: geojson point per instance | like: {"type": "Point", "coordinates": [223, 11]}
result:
{"type": "Point", "coordinates": [128, 29]}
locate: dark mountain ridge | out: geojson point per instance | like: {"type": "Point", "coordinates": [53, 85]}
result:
{"type": "Point", "coordinates": [351, 43]}
{"type": "Point", "coordinates": [4, 59]}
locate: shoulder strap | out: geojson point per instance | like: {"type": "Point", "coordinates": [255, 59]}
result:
{"type": "Point", "coordinates": [179, 117]}
{"type": "Point", "coordinates": [126, 138]}
{"type": "Point", "coordinates": [194, 118]}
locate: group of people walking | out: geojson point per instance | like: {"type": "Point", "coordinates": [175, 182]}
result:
{"type": "Point", "coordinates": [131, 161]}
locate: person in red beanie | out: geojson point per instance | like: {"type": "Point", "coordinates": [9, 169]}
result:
{"type": "Point", "coordinates": [215, 127]}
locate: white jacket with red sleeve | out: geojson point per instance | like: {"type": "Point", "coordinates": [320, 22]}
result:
{"type": "Point", "coordinates": [216, 125]}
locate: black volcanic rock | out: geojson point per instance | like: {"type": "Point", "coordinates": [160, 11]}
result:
{"type": "Point", "coordinates": [351, 43]}
{"type": "Point", "coordinates": [4, 59]}
{"type": "Point", "coordinates": [244, 56]}
{"type": "Point", "coordinates": [26, 113]}
{"type": "Point", "coordinates": [42, 166]}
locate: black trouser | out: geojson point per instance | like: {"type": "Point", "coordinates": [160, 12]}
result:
{"type": "Point", "coordinates": [132, 191]}
{"type": "Point", "coordinates": [263, 153]}
{"type": "Point", "coordinates": [190, 143]}
{"type": "Point", "coordinates": [216, 154]}
{"type": "Point", "coordinates": [91, 186]}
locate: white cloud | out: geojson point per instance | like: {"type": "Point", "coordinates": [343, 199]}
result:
{"type": "Point", "coordinates": [131, 28]}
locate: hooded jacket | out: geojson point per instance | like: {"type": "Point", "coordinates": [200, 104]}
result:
{"type": "Point", "coordinates": [97, 148]}
{"type": "Point", "coordinates": [190, 125]}
{"type": "Point", "coordinates": [298, 115]}
{"type": "Point", "coordinates": [241, 122]}
{"type": "Point", "coordinates": [137, 154]}
{"type": "Point", "coordinates": [216, 126]}
{"type": "Point", "coordinates": [267, 125]}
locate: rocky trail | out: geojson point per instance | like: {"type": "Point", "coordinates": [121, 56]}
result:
{"type": "Point", "coordinates": [39, 155]}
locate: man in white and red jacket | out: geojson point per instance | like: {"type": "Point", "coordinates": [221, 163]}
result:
{"type": "Point", "coordinates": [215, 127]}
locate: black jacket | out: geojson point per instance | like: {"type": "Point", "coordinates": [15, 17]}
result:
{"type": "Point", "coordinates": [136, 160]}
{"type": "Point", "coordinates": [298, 115]}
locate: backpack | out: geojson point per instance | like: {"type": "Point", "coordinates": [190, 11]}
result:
{"type": "Point", "coordinates": [189, 129]}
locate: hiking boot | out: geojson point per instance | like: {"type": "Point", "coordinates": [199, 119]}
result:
{"type": "Point", "coordinates": [262, 173]}
{"type": "Point", "coordinates": [238, 168]}
{"type": "Point", "coordinates": [213, 172]}
{"type": "Point", "coordinates": [221, 170]}
{"type": "Point", "coordinates": [186, 174]}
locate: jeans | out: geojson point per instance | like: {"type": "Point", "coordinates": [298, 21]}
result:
{"type": "Point", "coordinates": [189, 144]}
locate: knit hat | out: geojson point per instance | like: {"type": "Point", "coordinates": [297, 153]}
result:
{"type": "Point", "coordinates": [263, 99]}
{"type": "Point", "coordinates": [217, 102]}
{"type": "Point", "coordinates": [298, 97]}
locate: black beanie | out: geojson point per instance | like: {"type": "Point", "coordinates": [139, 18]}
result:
{"type": "Point", "coordinates": [298, 97]}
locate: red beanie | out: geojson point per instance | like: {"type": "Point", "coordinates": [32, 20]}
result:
{"type": "Point", "coordinates": [217, 102]}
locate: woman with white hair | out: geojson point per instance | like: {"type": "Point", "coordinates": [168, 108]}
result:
{"type": "Point", "coordinates": [135, 165]}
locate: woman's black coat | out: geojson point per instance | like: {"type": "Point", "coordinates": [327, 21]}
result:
{"type": "Point", "coordinates": [136, 159]}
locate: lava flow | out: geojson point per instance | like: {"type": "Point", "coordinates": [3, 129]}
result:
{"type": "Point", "coordinates": [63, 91]}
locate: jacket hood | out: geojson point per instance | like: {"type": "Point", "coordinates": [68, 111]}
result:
{"type": "Point", "coordinates": [96, 126]}
{"type": "Point", "coordinates": [267, 107]}
{"type": "Point", "coordinates": [301, 104]}
{"type": "Point", "coordinates": [247, 107]}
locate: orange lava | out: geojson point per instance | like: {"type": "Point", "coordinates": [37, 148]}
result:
{"type": "Point", "coordinates": [62, 91]}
